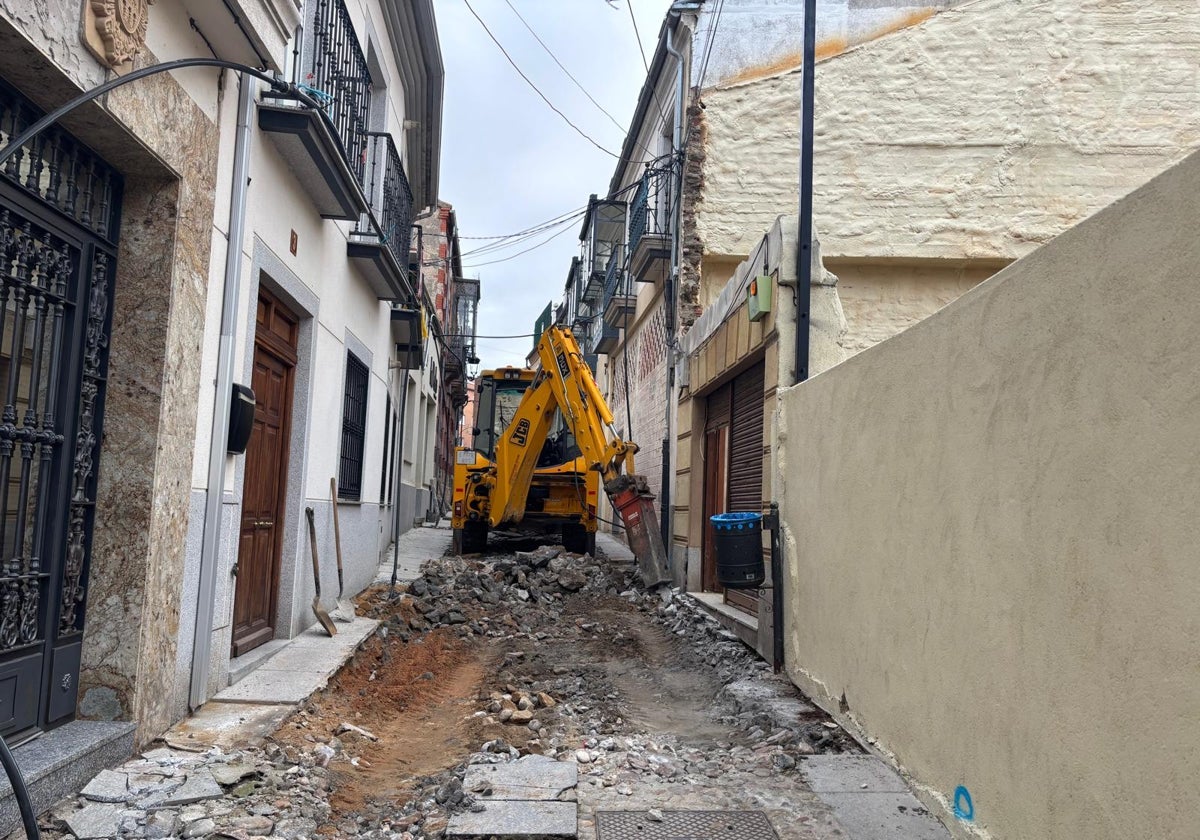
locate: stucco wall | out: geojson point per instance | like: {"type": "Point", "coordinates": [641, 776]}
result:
{"type": "Point", "coordinates": [882, 298]}
{"type": "Point", "coordinates": [991, 534]}
{"type": "Point", "coordinates": [982, 132]}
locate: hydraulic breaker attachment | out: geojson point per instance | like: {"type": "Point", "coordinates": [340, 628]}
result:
{"type": "Point", "coordinates": [632, 498]}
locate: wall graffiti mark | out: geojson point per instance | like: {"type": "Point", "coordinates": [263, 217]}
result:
{"type": "Point", "coordinates": [964, 808]}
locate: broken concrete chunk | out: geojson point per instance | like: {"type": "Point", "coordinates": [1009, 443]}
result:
{"type": "Point", "coordinates": [95, 821]}
{"type": "Point", "coordinates": [108, 786]}
{"type": "Point", "coordinates": [200, 786]}
{"type": "Point", "coordinates": [231, 774]}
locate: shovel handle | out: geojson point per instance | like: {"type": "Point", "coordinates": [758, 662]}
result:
{"type": "Point", "coordinates": [312, 542]}
{"type": "Point", "coordinates": [337, 534]}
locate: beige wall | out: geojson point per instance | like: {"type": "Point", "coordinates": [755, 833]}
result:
{"type": "Point", "coordinates": [991, 534]}
{"type": "Point", "coordinates": [980, 133]}
{"type": "Point", "coordinates": [883, 297]}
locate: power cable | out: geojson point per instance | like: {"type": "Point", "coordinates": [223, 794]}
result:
{"type": "Point", "coordinates": [564, 69]}
{"type": "Point", "coordinates": [636, 33]}
{"type": "Point", "coordinates": [519, 253]}
{"type": "Point", "coordinates": [519, 239]}
{"type": "Point", "coordinates": [712, 40]}
{"type": "Point", "coordinates": [551, 220]}
{"type": "Point", "coordinates": [529, 82]}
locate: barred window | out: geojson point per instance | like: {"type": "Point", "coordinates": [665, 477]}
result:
{"type": "Point", "coordinates": [354, 430]}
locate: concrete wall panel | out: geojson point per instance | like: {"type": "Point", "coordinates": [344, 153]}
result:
{"type": "Point", "coordinates": [991, 534]}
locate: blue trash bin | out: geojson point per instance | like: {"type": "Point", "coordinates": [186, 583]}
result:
{"type": "Point", "coordinates": [738, 540]}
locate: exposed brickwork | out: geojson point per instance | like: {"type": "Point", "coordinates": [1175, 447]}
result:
{"type": "Point", "coordinates": [647, 348]}
{"type": "Point", "coordinates": [690, 306]}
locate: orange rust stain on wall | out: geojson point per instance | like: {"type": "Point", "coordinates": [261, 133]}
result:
{"type": "Point", "coordinates": [910, 19]}
{"type": "Point", "coordinates": [792, 61]}
{"type": "Point", "coordinates": [828, 48]}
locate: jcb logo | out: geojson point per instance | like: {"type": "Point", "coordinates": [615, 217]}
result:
{"type": "Point", "coordinates": [521, 434]}
{"type": "Point", "coordinates": [563, 367]}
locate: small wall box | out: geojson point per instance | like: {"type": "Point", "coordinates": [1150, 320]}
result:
{"type": "Point", "coordinates": [758, 297]}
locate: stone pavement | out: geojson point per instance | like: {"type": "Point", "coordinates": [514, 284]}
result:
{"type": "Point", "coordinates": [301, 667]}
{"type": "Point", "coordinates": [416, 546]}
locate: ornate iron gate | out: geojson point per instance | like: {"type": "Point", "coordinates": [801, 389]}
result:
{"type": "Point", "coordinates": [59, 206]}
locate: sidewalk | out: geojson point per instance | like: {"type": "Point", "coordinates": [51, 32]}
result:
{"type": "Point", "coordinates": [254, 706]}
{"type": "Point", "coordinates": [416, 546]}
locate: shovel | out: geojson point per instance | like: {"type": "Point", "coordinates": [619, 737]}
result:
{"type": "Point", "coordinates": [318, 610]}
{"type": "Point", "coordinates": [345, 609]}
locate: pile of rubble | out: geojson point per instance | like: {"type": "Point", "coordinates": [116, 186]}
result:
{"type": "Point", "coordinates": [531, 585]}
{"type": "Point", "coordinates": [554, 622]}
{"type": "Point", "coordinates": [166, 792]}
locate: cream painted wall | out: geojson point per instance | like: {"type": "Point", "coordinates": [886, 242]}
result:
{"type": "Point", "coordinates": [991, 542]}
{"type": "Point", "coordinates": [981, 133]}
{"type": "Point", "coordinates": [883, 298]}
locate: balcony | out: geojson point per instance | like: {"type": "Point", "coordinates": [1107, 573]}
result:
{"type": "Point", "coordinates": [602, 235]}
{"type": "Point", "coordinates": [620, 301]}
{"type": "Point", "coordinates": [649, 228]}
{"type": "Point", "coordinates": [379, 243]}
{"type": "Point", "coordinates": [326, 149]}
{"type": "Point", "coordinates": [564, 314]}
{"type": "Point", "coordinates": [605, 338]}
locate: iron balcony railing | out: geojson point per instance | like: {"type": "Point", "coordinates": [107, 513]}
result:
{"type": "Point", "coordinates": [650, 210]}
{"type": "Point", "coordinates": [389, 196]}
{"type": "Point", "coordinates": [616, 279]}
{"type": "Point", "coordinates": [337, 74]}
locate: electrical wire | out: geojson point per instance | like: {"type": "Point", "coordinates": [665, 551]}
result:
{"type": "Point", "coordinates": [545, 241]}
{"type": "Point", "coordinates": [551, 220]}
{"type": "Point", "coordinates": [465, 335]}
{"type": "Point", "coordinates": [591, 99]}
{"type": "Point", "coordinates": [528, 81]}
{"type": "Point", "coordinates": [712, 40]}
{"type": "Point", "coordinates": [518, 240]}
{"type": "Point", "coordinates": [637, 34]}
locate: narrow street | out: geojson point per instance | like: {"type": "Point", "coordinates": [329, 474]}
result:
{"type": "Point", "coordinates": [554, 667]}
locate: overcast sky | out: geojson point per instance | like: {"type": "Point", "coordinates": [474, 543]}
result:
{"type": "Point", "coordinates": [509, 162]}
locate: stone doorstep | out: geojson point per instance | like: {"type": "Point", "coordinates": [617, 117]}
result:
{"type": "Point", "coordinates": [60, 762]}
{"type": "Point", "coordinates": [243, 666]}
{"type": "Point", "coordinates": [277, 681]}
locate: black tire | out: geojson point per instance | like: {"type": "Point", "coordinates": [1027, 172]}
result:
{"type": "Point", "coordinates": [578, 540]}
{"type": "Point", "coordinates": [473, 538]}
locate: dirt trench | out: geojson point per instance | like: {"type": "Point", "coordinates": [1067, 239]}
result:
{"type": "Point", "coordinates": [599, 678]}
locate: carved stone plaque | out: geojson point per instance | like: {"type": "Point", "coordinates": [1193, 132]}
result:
{"type": "Point", "coordinates": [115, 30]}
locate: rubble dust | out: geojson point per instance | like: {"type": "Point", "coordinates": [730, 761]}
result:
{"type": "Point", "coordinates": [484, 659]}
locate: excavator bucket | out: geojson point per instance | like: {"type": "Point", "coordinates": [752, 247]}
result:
{"type": "Point", "coordinates": [632, 498]}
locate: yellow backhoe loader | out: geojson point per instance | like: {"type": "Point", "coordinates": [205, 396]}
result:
{"type": "Point", "coordinates": [543, 445]}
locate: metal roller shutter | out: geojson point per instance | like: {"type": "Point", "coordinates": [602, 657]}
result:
{"type": "Point", "coordinates": [746, 442]}
{"type": "Point", "coordinates": [718, 408]}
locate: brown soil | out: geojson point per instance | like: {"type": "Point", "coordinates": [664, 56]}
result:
{"type": "Point", "coordinates": [416, 697]}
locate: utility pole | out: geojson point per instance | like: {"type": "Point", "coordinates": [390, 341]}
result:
{"type": "Point", "coordinates": [804, 249]}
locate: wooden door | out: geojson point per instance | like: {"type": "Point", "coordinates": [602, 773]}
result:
{"type": "Point", "coordinates": [260, 545]}
{"type": "Point", "coordinates": [715, 448]}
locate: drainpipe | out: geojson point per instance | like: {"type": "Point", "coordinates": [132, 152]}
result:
{"type": "Point", "coordinates": [667, 524]}
{"type": "Point", "coordinates": [804, 246]}
{"type": "Point", "coordinates": [218, 444]}
{"type": "Point", "coordinates": [398, 486]}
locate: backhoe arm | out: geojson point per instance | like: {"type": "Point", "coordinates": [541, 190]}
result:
{"type": "Point", "coordinates": [591, 421]}
{"type": "Point", "coordinates": [583, 406]}
{"type": "Point", "coordinates": [518, 450]}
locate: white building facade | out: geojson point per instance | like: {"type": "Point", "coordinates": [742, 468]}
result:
{"type": "Point", "coordinates": [189, 237]}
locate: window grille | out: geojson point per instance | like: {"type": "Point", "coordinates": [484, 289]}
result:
{"type": "Point", "coordinates": [354, 430]}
